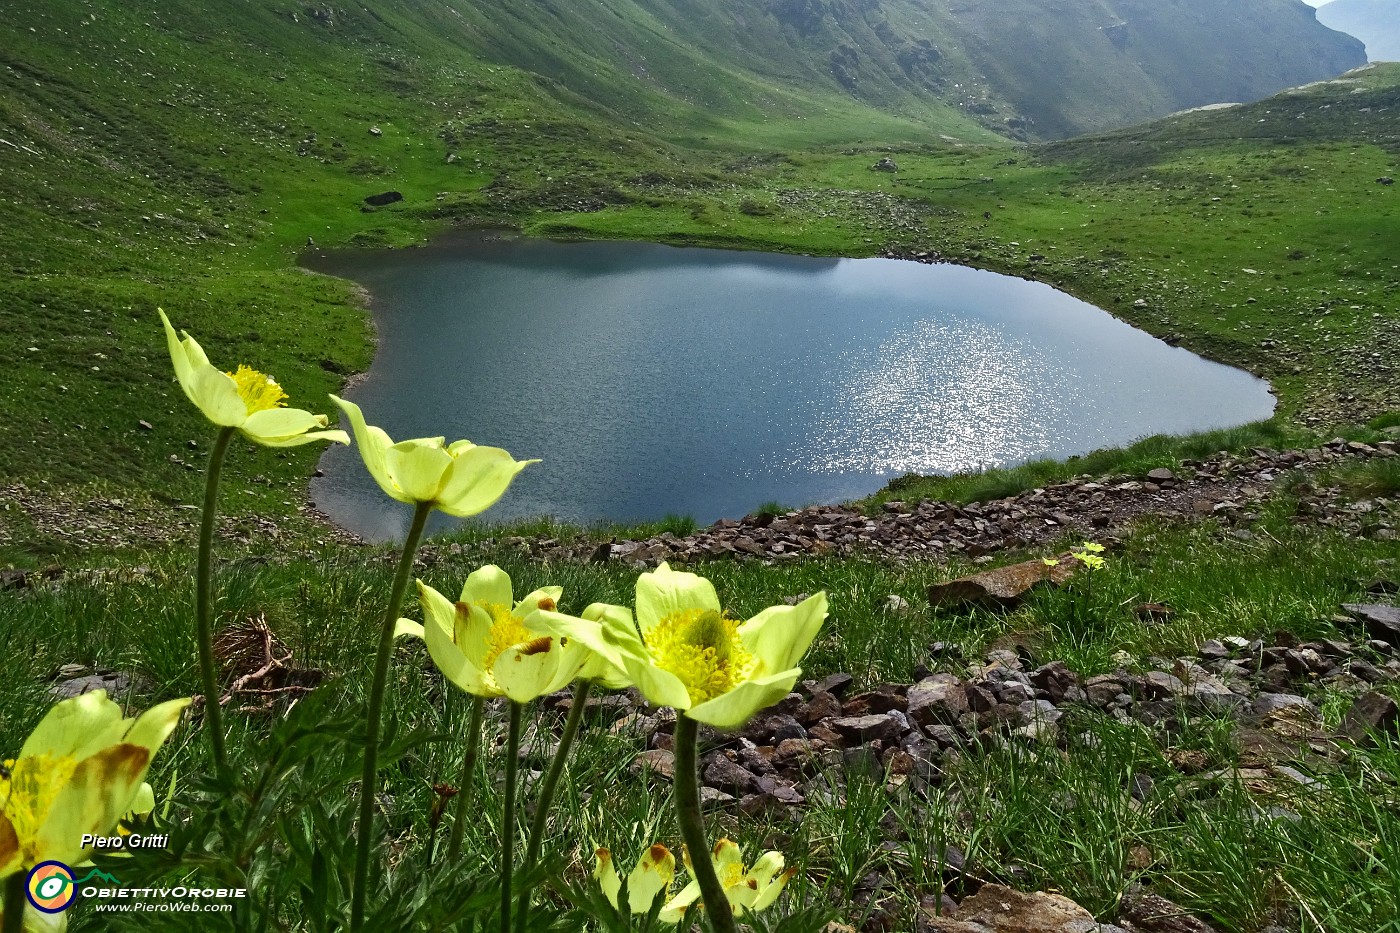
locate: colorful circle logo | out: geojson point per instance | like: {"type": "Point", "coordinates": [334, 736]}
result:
{"type": "Point", "coordinates": [50, 887]}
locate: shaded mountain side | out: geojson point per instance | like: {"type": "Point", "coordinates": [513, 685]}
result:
{"type": "Point", "coordinates": [1019, 66]}
{"type": "Point", "coordinates": [1374, 22]}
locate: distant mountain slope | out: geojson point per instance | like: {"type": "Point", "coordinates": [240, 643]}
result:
{"type": "Point", "coordinates": [1374, 22]}
{"type": "Point", "coordinates": [1025, 66]}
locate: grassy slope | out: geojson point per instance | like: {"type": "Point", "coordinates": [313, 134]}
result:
{"type": "Point", "coordinates": [183, 158]}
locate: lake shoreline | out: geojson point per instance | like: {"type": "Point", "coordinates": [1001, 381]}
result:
{"type": "Point", "coordinates": [886, 293]}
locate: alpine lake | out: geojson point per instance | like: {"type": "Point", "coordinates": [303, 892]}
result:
{"type": "Point", "coordinates": [653, 380]}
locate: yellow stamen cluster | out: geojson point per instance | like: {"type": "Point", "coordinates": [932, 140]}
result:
{"type": "Point", "coordinates": [702, 648]}
{"type": "Point", "coordinates": [506, 631]}
{"type": "Point", "coordinates": [259, 391]}
{"type": "Point", "coordinates": [28, 791]}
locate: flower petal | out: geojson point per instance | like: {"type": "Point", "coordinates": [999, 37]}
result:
{"type": "Point", "coordinates": [37, 921]}
{"type": "Point", "coordinates": [732, 709]}
{"type": "Point", "coordinates": [141, 804]}
{"type": "Point", "coordinates": [407, 628]}
{"type": "Point", "coordinates": [296, 440]}
{"type": "Point", "coordinates": [533, 599]}
{"type": "Point", "coordinates": [674, 909]}
{"type": "Point", "coordinates": [651, 876]}
{"type": "Point", "coordinates": [216, 395]}
{"type": "Point", "coordinates": [372, 442]}
{"type": "Point", "coordinates": [779, 635]}
{"type": "Point", "coordinates": [450, 660]}
{"type": "Point", "coordinates": [666, 591]}
{"type": "Point", "coordinates": [95, 797]}
{"type": "Point", "coordinates": [529, 671]}
{"type": "Point", "coordinates": [179, 356]}
{"type": "Point", "coordinates": [77, 727]}
{"type": "Point", "coordinates": [288, 427]}
{"type": "Point", "coordinates": [465, 625]}
{"type": "Point", "coordinates": [154, 726]}
{"type": "Point", "coordinates": [478, 477]}
{"type": "Point", "coordinates": [9, 848]}
{"type": "Point", "coordinates": [604, 663]}
{"type": "Point", "coordinates": [490, 585]}
{"type": "Point", "coordinates": [769, 889]}
{"type": "Point", "coordinates": [660, 687]}
{"type": "Point", "coordinates": [726, 854]}
{"type": "Point", "coordinates": [605, 873]}
{"type": "Point", "coordinates": [417, 467]}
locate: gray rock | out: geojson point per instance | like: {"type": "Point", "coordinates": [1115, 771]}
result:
{"type": "Point", "coordinates": [1144, 912]}
{"type": "Point", "coordinates": [384, 198]}
{"type": "Point", "coordinates": [728, 776]}
{"type": "Point", "coordinates": [1382, 622]}
{"type": "Point", "coordinates": [657, 761]}
{"type": "Point", "coordinates": [864, 729]}
{"type": "Point", "coordinates": [937, 699]}
{"type": "Point", "coordinates": [1266, 703]}
{"type": "Point", "coordinates": [1055, 680]}
{"type": "Point", "coordinates": [1370, 713]}
{"type": "Point", "coordinates": [116, 685]}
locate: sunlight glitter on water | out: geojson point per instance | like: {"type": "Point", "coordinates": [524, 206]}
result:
{"type": "Point", "coordinates": [653, 380]}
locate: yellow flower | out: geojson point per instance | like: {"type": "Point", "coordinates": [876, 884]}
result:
{"type": "Point", "coordinates": [460, 478]}
{"type": "Point", "coordinates": [246, 399]}
{"type": "Point", "coordinates": [712, 668]}
{"type": "Point", "coordinates": [486, 643]}
{"type": "Point", "coordinates": [1088, 555]}
{"type": "Point", "coordinates": [649, 877]}
{"type": "Point", "coordinates": [745, 889]}
{"type": "Point", "coordinates": [79, 771]}
{"type": "Point", "coordinates": [604, 663]}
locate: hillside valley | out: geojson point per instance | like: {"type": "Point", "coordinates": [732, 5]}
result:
{"type": "Point", "coordinates": [184, 159]}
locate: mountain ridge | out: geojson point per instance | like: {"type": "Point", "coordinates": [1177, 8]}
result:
{"type": "Point", "coordinates": [1374, 22]}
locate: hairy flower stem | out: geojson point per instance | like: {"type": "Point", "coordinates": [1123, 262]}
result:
{"type": "Point", "coordinates": [466, 784]}
{"type": "Point", "coordinates": [692, 827]}
{"type": "Point", "coordinates": [547, 789]}
{"type": "Point", "coordinates": [365, 842]}
{"type": "Point", "coordinates": [508, 818]}
{"type": "Point", "coordinates": [15, 902]}
{"type": "Point", "coordinates": [204, 606]}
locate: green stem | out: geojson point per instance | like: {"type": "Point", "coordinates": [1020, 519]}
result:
{"type": "Point", "coordinates": [15, 902]}
{"type": "Point", "coordinates": [692, 827]}
{"type": "Point", "coordinates": [508, 818]}
{"type": "Point", "coordinates": [364, 843]}
{"type": "Point", "coordinates": [547, 789]}
{"type": "Point", "coordinates": [204, 605]}
{"type": "Point", "coordinates": [466, 784]}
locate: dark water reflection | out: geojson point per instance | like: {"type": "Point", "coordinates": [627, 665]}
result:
{"type": "Point", "coordinates": [655, 380]}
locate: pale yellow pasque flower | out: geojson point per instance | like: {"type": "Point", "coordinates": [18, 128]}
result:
{"type": "Point", "coordinates": [689, 655]}
{"type": "Point", "coordinates": [745, 888]}
{"type": "Point", "coordinates": [460, 478]}
{"type": "Point", "coordinates": [486, 644]}
{"type": "Point", "coordinates": [649, 877]}
{"type": "Point", "coordinates": [1088, 555]}
{"type": "Point", "coordinates": [79, 771]}
{"type": "Point", "coordinates": [245, 399]}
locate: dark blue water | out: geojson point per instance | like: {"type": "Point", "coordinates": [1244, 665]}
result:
{"type": "Point", "coordinates": [653, 380]}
